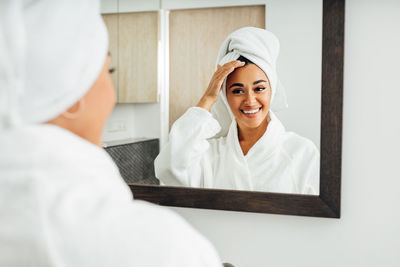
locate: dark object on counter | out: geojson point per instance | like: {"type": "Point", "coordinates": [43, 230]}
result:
{"type": "Point", "coordinates": [135, 159]}
{"type": "Point", "coordinates": [227, 264]}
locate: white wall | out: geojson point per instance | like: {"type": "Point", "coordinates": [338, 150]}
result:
{"type": "Point", "coordinates": [368, 234]}
{"type": "Point", "coordinates": [298, 25]}
{"type": "Point", "coordinates": [133, 121]}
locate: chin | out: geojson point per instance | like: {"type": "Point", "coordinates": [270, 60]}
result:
{"type": "Point", "coordinates": [253, 125]}
{"type": "Point", "coordinates": [249, 124]}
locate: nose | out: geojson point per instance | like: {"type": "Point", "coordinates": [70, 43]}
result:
{"type": "Point", "coordinates": [250, 98]}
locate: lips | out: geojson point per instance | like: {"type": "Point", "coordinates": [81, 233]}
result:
{"type": "Point", "coordinates": [252, 111]}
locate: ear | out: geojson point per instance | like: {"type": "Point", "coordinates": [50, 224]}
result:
{"type": "Point", "coordinates": [75, 110]}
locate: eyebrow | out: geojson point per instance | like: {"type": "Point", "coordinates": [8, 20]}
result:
{"type": "Point", "coordinates": [259, 81]}
{"type": "Point", "coordinates": [241, 84]}
{"type": "Point", "coordinates": [236, 84]}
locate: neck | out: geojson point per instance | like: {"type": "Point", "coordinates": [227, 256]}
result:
{"type": "Point", "coordinates": [78, 130]}
{"type": "Point", "coordinates": [249, 136]}
{"type": "Point", "coordinates": [252, 134]}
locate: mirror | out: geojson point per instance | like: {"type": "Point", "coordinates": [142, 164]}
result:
{"type": "Point", "coordinates": [314, 115]}
{"type": "Point", "coordinates": [274, 160]}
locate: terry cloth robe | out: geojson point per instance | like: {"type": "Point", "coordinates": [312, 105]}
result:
{"type": "Point", "coordinates": [64, 203]}
{"type": "Point", "coordinates": [280, 161]}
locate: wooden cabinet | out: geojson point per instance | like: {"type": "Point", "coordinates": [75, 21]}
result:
{"type": "Point", "coordinates": [134, 52]}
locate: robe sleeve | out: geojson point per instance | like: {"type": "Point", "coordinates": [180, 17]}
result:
{"type": "Point", "coordinates": [312, 174]}
{"type": "Point", "coordinates": [304, 157]}
{"type": "Point", "coordinates": [306, 162]}
{"type": "Point", "coordinates": [179, 162]}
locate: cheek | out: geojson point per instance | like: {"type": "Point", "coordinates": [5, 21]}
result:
{"type": "Point", "coordinates": [234, 102]}
{"type": "Point", "coordinates": [108, 97]}
{"type": "Point", "coordinates": [111, 94]}
{"type": "Point", "coordinates": [104, 100]}
{"type": "Point", "coordinates": [266, 99]}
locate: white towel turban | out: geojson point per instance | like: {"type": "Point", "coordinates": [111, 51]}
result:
{"type": "Point", "coordinates": [51, 53]}
{"type": "Point", "coordinates": [262, 48]}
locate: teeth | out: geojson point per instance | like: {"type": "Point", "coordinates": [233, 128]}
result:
{"type": "Point", "coordinates": [250, 111]}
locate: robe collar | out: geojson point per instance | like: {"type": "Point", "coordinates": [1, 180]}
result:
{"type": "Point", "coordinates": [265, 146]}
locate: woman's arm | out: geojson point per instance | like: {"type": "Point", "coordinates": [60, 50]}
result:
{"type": "Point", "coordinates": [211, 94]}
{"type": "Point", "coordinates": [179, 162]}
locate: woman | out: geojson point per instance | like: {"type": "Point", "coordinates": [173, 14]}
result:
{"type": "Point", "coordinates": [253, 152]}
{"type": "Point", "coordinates": [63, 201]}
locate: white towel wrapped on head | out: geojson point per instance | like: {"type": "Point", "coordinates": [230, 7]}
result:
{"type": "Point", "coordinates": [262, 48]}
{"type": "Point", "coordinates": [51, 54]}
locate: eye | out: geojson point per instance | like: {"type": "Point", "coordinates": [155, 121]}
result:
{"type": "Point", "coordinates": [259, 89]}
{"type": "Point", "coordinates": [237, 91]}
{"type": "Point", "coordinates": [111, 70]}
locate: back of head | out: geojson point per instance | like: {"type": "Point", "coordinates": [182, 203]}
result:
{"type": "Point", "coordinates": [51, 54]}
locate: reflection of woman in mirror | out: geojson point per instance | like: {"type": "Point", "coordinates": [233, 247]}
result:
{"type": "Point", "coordinates": [253, 150]}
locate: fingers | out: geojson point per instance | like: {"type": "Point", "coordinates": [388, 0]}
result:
{"type": "Point", "coordinates": [231, 66]}
{"type": "Point", "coordinates": [227, 68]}
{"type": "Point", "coordinates": [218, 78]}
{"type": "Point", "coordinates": [234, 64]}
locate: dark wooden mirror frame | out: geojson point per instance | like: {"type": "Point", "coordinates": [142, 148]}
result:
{"type": "Point", "coordinates": [327, 204]}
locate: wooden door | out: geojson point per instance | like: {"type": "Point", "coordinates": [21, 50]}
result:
{"type": "Point", "coordinates": [111, 21]}
{"type": "Point", "coordinates": [195, 38]}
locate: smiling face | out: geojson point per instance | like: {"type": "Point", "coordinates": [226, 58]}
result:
{"type": "Point", "coordinates": [249, 96]}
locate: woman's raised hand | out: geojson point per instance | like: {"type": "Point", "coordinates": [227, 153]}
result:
{"type": "Point", "coordinates": [211, 94]}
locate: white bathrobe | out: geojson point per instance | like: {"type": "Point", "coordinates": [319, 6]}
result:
{"type": "Point", "coordinates": [64, 203]}
{"type": "Point", "coordinates": [280, 161]}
